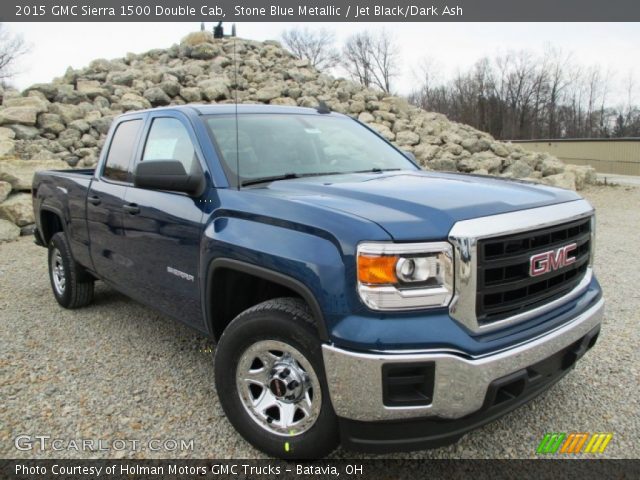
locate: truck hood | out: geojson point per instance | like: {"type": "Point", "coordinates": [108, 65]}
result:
{"type": "Point", "coordinates": [416, 205]}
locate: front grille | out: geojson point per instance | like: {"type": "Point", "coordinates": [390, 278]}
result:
{"type": "Point", "coordinates": [505, 287]}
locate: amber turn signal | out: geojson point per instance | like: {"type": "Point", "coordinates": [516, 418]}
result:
{"type": "Point", "coordinates": [377, 270]}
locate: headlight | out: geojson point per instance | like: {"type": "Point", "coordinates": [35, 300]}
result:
{"type": "Point", "coordinates": [405, 276]}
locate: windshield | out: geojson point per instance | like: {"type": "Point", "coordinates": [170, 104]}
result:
{"type": "Point", "coordinates": [294, 145]}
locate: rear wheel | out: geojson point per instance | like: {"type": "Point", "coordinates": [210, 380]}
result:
{"type": "Point", "coordinates": [72, 286]}
{"type": "Point", "coordinates": [271, 384]}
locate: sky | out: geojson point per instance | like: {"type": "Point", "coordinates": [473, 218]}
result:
{"type": "Point", "coordinates": [451, 47]}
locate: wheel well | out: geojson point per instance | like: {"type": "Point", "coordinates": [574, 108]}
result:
{"type": "Point", "coordinates": [232, 292]}
{"type": "Point", "coordinates": [50, 224]}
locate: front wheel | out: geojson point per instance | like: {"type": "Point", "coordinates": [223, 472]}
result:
{"type": "Point", "coordinates": [271, 384]}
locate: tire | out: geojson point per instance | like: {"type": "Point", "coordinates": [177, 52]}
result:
{"type": "Point", "coordinates": [71, 284]}
{"type": "Point", "coordinates": [281, 326]}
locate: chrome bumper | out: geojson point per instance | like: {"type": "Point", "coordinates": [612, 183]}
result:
{"type": "Point", "coordinates": [460, 387]}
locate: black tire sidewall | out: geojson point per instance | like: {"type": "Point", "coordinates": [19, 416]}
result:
{"type": "Point", "coordinates": [323, 436]}
{"type": "Point", "coordinates": [59, 241]}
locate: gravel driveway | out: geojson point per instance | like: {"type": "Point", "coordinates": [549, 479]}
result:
{"type": "Point", "coordinates": [119, 370]}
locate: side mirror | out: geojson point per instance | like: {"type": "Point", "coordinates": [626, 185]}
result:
{"type": "Point", "coordinates": [167, 175]}
{"type": "Point", "coordinates": [410, 156]}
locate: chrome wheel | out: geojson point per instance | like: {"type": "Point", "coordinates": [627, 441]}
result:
{"type": "Point", "coordinates": [278, 388]}
{"type": "Point", "coordinates": [57, 272]}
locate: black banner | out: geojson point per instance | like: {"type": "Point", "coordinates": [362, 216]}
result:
{"type": "Point", "coordinates": [320, 11]}
{"type": "Point", "coordinates": [330, 469]}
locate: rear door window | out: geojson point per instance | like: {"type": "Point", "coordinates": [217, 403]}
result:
{"type": "Point", "coordinates": [118, 164]}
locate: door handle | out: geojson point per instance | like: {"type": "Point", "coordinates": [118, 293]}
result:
{"type": "Point", "coordinates": [131, 208]}
{"type": "Point", "coordinates": [95, 200]}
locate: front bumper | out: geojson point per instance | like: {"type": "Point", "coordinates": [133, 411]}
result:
{"type": "Point", "coordinates": [461, 385]}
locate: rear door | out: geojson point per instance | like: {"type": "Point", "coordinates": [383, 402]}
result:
{"type": "Point", "coordinates": [105, 202]}
{"type": "Point", "coordinates": [163, 229]}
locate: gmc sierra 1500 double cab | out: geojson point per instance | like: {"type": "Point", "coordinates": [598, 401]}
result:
{"type": "Point", "coordinates": [354, 298]}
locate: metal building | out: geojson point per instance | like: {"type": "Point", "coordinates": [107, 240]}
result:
{"type": "Point", "coordinates": [619, 156]}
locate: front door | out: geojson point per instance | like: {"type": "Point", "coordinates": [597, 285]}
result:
{"type": "Point", "coordinates": [163, 229]}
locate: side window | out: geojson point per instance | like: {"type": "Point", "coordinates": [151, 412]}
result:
{"type": "Point", "coordinates": [169, 140]}
{"type": "Point", "coordinates": [117, 166]}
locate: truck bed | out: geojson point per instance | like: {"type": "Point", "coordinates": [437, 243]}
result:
{"type": "Point", "coordinates": [64, 193]}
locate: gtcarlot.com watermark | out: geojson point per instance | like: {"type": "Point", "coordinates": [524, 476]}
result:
{"type": "Point", "coordinates": [48, 443]}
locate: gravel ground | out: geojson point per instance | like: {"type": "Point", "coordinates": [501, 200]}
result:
{"type": "Point", "coordinates": [119, 371]}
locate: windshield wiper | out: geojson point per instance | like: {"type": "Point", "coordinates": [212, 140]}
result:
{"type": "Point", "coordinates": [273, 178]}
{"type": "Point", "coordinates": [377, 170]}
{"type": "Point", "coordinates": [288, 176]}
{"type": "Point", "coordinates": [291, 175]}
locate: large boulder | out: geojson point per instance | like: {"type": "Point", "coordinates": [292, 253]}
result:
{"type": "Point", "coordinates": [383, 130]}
{"type": "Point", "coordinates": [484, 161]}
{"type": "Point", "coordinates": [132, 101]}
{"type": "Point", "coordinates": [102, 124]}
{"type": "Point", "coordinates": [7, 146]}
{"type": "Point", "coordinates": [518, 169]}
{"type": "Point", "coordinates": [584, 175]}
{"type": "Point", "coordinates": [50, 123]}
{"type": "Point", "coordinates": [425, 152]}
{"type": "Point", "coordinates": [19, 173]}
{"type": "Point", "coordinates": [24, 132]}
{"type": "Point", "coordinates": [407, 137]}
{"type": "Point", "coordinates": [204, 51]}
{"type": "Point", "coordinates": [190, 94]}
{"type": "Point", "coordinates": [91, 88]}
{"type": "Point", "coordinates": [18, 209]}
{"type": "Point", "coordinates": [48, 90]}
{"type": "Point", "coordinates": [445, 163]}
{"type": "Point", "coordinates": [39, 104]}
{"type": "Point", "coordinates": [551, 166]}
{"type": "Point", "coordinates": [67, 113]}
{"type": "Point", "coordinates": [7, 133]}
{"type": "Point", "coordinates": [214, 89]}
{"type": "Point", "coordinates": [475, 145]}
{"type": "Point", "coordinates": [69, 138]}
{"type": "Point", "coordinates": [269, 92]}
{"type": "Point", "coordinates": [8, 231]}
{"type": "Point", "coordinates": [122, 78]}
{"type": "Point", "coordinates": [5, 190]}
{"type": "Point", "coordinates": [157, 96]}
{"type": "Point", "coordinates": [68, 94]}
{"type": "Point", "coordinates": [196, 38]}
{"type": "Point", "coordinates": [22, 115]}
{"type": "Point", "coordinates": [563, 180]}
{"type": "Point", "coordinates": [171, 87]}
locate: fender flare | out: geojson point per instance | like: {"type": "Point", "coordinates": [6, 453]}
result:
{"type": "Point", "coordinates": [55, 211]}
{"type": "Point", "coordinates": [266, 274]}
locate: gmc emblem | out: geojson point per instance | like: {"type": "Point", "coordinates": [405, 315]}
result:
{"type": "Point", "coordinates": [550, 261]}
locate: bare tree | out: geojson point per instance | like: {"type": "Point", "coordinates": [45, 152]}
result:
{"type": "Point", "coordinates": [317, 46]}
{"type": "Point", "coordinates": [629, 86]}
{"type": "Point", "coordinates": [426, 76]}
{"type": "Point", "coordinates": [385, 60]}
{"type": "Point", "coordinates": [12, 47]}
{"type": "Point", "coordinates": [557, 65]}
{"type": "Point", "coordinates": [357, 58]}
{"type": "Point", "coordinates": [521, 95]}
{"type": "Point", "coordinates": [372, 59]}
{"type": "Point", "coordinates": [426, 73]}
{"type": "Point", "coordinates": [627, 121]}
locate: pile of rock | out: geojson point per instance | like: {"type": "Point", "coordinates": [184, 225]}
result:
{"type": "Point", "coordinates": [64, 123]}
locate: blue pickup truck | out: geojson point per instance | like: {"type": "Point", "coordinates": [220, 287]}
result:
{"type": "Point", "coordinates": [354, 298]}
